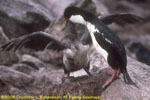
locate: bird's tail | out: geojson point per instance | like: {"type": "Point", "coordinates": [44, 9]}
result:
{"type": "Point", "coordinates": [127, 79]}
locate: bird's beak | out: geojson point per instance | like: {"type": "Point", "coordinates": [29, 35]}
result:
{"type": "Point", "coordinates": [65, 19]}
{"type": "Point", "coordinates": [66, 24]}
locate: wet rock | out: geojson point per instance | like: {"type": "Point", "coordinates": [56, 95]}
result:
{"type": "Point", "coordinates": [15, 78]}
{"type": "Point", "coordinates": [140, 52]}
{"type": "Point", "coordinates": [19, 17]}
{"type": "Point", "coordinates": [6, 58]}
{"type": "Point", "coordinates": [32, 61]}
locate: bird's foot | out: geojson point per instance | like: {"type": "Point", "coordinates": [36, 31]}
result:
{"type": "Point", "coordinates": [111, 71]}
{"type": "Point", "coordinates": [114, 74]}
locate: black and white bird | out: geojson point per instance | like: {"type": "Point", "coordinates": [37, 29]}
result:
{"type": "Point", "coordinates": [75, 56]}
{"type": "Point", "coordinates": [105, 41]}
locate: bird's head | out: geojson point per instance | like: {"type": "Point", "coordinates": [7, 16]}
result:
{"type": "Point", "coordinates": [77, 15]}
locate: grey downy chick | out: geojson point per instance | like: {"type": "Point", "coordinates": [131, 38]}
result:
{"type": "Point", "coordinates": [75, 57]}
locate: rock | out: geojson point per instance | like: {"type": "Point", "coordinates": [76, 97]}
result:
{"type": "Point", "coordinates": [32, 61]}
{"type": "Point", "coordinates": [144, 39]}
{"type": "Point", "coordinates": [15, 78]}
{"type": "Point", "coordinates": [101, 8]}
{"type": "Point", "coordinates": [17, 92]}
{"type": "Point", "coordinates": [88, 5]}
{"type": "Point", "coordinates": [23, 68]}
{"type": "Point", "coordinates": [4, 88]}
{"type": "Point", "coordinates": [45, 77]}
{"type": "Point", "coordinates": [56, 6]}
{"type": "Point", "coordinates": [91, 86]}
{"type": "Point", "coordinates": [51, 57]}
{"type": "Point", "coordinates": [81, 86]}
{"type": "Point", "coordinates": [123, 6]}
{"type": "Point", "coordinates": [6, 58]}
{"type": "Point", "coordinates": [22, 84]}
{"type": "Point", "coordinates": [139, 1]}
{"type": "Point", "coordinates": [19, 17]}
{"type": "Point", "coordinates": [140, 52]}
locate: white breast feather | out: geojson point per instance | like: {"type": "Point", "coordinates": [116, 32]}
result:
{"type": "Point", "coordinates": [100, 50]}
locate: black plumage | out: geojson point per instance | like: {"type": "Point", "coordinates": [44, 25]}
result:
{"type": "Point", "coordinates": [37, 41]}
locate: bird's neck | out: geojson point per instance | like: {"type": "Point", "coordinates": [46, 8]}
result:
{"type": "Point", "coordinates": [78, 19]}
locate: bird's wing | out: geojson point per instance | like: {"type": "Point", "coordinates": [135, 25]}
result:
{"type": "Point", "coordinates": [113, 46]}
{"type": "Point", "coordinates": [36, 41]}
{"type": "Point", "coordinates": [107, 43]}
{"type": "Point", "coordinates": [121, 19]}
